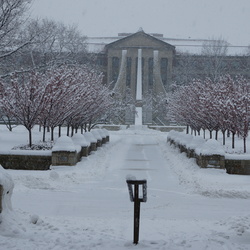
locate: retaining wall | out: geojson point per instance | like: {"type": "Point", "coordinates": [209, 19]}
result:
{"type": "Point", "coordinates": [232, 165]}
{"type": "Point", "coordinates": [25, 162]}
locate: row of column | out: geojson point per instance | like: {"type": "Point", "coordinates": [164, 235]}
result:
{"type": "Point", "coordinates": [156, 74]}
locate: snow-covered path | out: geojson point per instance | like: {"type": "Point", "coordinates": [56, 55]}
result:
{"type": "Point", "coordinates": [88, 206]}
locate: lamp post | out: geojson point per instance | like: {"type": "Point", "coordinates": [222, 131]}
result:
{"type": "Point", "coordinates": [134, 189]}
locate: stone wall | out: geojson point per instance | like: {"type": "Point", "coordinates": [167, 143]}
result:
{"type": "Point", "coordinates": [232, 166]}
{"type": "Point", "coordinates": [203, 161]}
{"type": "Point", "coordinates": [25, 162]}
{"type": "Point", "coordinates": [65, 158]}
{"type": "Point", "coordinates": [168, 128]}
{"type": "Point", "coordinates": [214, 161]}
{"type": "Point", "coordinates": [37, 160]}
{"type": "Point", "coordinates": [237, 166]}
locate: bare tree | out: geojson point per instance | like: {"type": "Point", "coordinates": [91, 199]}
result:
{"type": "Point", "coordinates": [54, 44]}
{"type": "Point", "coordinates": [11, 22]}
{"type": "Point", "coordinates": [214, 52]}
{"type": "Point", "coordinates": [23, 97]}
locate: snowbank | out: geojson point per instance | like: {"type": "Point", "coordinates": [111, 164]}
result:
{"type": "Point", "coordinates": [102, 133]}
{"type": "Point", "coordinates": [96, 134]}
{"type": "Point", "coordinates": [8, 185]}
{"type": "Point", "coordinates": [79, 139]}
{"type": "Point", "coordinates": [210, 147]}
{"type": "Point", "coordinates": [90, 137]}
{"type": "Point", "coordinates": [65, 143]}
{"type": "Point", "coordinates": [26, 152]}
{"type": "Point", "coordinates": [197, 143]}
{"type": "Point", "coordinates": [105, 131]}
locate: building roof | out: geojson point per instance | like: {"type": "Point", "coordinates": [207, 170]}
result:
{"type": "Point", "coordinates": [140, 34]}
{"type": "Point", "coordinates": [193, 46]}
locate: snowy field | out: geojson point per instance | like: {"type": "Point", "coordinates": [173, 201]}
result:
{"type": "Point", "coordinates": [87, 206]}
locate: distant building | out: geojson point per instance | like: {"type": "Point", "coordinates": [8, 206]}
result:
{"type": "Point", "coordinates": [164, 60]}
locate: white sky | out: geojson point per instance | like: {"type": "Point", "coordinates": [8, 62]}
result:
{"type": "Point", "coordinates": [228, 19]}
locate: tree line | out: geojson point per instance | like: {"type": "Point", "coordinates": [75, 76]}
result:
{"type": "Point", "coordinates": [222, 105]}
{"type": "Point", "coordinates": [27, 44]}
{"type": "Point", "coordinates": [68, 95]}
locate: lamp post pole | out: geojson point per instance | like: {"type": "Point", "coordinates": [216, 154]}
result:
{"type": "Point", "coordinates": [134, 197]}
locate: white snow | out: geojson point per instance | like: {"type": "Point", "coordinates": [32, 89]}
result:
{"type": "Point", "coordinates": [212, 147]}
{"type": "Point", "coordinates": [26, 152]}
{"type": "Point", "coordinates": [79, 139]}
{"type": "Point", "coordinates": [87, 206]}
{"type": "Point", "coordinates": [105, 131]}
{"type": "Point", "coordinates": [90, 137]}
{"type": "Point", "coordinates": [65, 143]}
{"type": "Point", "coordinates": [138, 116]}
{"type": "Point", "coordinates": [7, 183]}
{"type": "Point", "coordinates": [96, 134]}
{"type": "Point", "coordinates": [101, 132]}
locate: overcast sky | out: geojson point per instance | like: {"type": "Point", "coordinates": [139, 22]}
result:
{"type": "Point", "coordinates": [228, 19]}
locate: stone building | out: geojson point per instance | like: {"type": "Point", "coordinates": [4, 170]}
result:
{"type": "Point", "coordinates": [163, 61]}
{"type": "Point", "coordinates": [157, 61]}
{"type": "Point", "coordinates": [120, 66]}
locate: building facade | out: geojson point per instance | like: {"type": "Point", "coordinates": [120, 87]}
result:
{"type": "Point", "coordinates": [157, 63]}
{"type": "Point", "coordinates": [161, 65]}
{"type": "Point", "coordinates": [156, 69]}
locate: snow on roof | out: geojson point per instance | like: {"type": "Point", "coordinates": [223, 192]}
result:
{"type": "Point", "coordinates": [193, 46]}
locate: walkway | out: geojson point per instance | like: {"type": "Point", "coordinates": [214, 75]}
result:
{"type": "Point", "coordinates": [88, 206]}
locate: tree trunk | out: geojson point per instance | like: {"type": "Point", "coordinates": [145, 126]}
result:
{"type": "Point", "coordinates": [216, 135]}
{"type": "Point", "coordinates": [10, 127]}
{"type": "Point", "coordinates": [233, 136]}
{"type": "Point", "coordinates": [211, 134]}
{"type": "Point", "coordinates": [187, 129]}
{"type": "Point", "coordinates": [245, 144]}
{"type": "Point", "coordinates": [89, 128]}
{"type": "Point", "coordinates": [224, 137]}
{"type": "Point", "coordinates": [68, 129]}
{"type": "Point", "coordinates": [72, 131]}
{"type": "Point", "coordinates": [30, 137]}
{"type": "Point", "coordinates": [44, 133]}
{"type": "Point", "coordinates": [59, 131]}
{"type": "Point", "coordinates": [204, 133]}
{"type": "Point", "coordinates": [52, 134]}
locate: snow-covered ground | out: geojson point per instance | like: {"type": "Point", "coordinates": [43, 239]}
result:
{"type": "Point", "coordinates": [87, 206]}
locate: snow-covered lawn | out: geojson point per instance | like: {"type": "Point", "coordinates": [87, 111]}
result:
{"type": "Point", "coordinates": [87, 206]}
